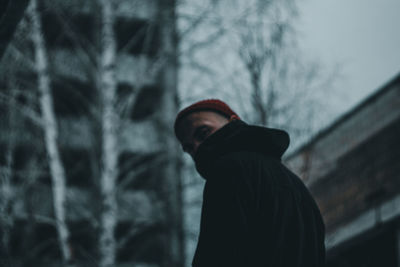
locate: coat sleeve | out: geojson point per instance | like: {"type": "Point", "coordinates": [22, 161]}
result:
{"type": "Point", "coordinates": [223, 229]}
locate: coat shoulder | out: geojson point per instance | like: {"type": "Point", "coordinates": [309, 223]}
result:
{"type": "Point", "coordinates": [252, 165]}
{"type": "Point", "coordinates": [261, 171]}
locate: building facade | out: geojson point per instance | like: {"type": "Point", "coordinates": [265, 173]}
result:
{"type": "Point", "coordinates": [148, 231]}
{"type": "Point", "coordinates": [353, 170]}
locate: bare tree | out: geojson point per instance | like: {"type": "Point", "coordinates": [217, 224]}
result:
{"type": "Point", "coordinates": [254, 62]}
{"type": "Point", "coordinates": [284, 87]}
{"type": "Point", "coordinates": [246, 53]}
{"type": "Point", "coordinates": [107, 88]}
{"type": "Point", "coordinates": [263, 39]}
{"type": "Point", "coordinates": [49, 124]}
{"type": "Point", "coordinates": [19, 176]}
{"type": "Point", "coordinates": [97, 61]}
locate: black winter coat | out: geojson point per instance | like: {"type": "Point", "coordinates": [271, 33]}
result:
{"type": "Point", "coordinates": [255, 211]}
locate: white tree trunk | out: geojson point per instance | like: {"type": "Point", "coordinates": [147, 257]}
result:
{"type": "Point", "coordinates": [50, 132]}
{"type": "Point", "coordinates": [107, 84]}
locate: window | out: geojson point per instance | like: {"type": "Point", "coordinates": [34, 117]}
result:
{"type": "Point", "coordinates": [72, 98]}
{"type": "Point", "coordinates": [146, 103]}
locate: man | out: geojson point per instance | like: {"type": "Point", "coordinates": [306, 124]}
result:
{"type": "Point", "coordinates": [255, 211]}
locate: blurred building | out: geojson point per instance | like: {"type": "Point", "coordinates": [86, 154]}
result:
{"type": "Point", "coordinates": [11, 12]}
{"type": "Point", "coordinates": [353, 170]}
{"type": "Point", "coordinates": [149, 219]}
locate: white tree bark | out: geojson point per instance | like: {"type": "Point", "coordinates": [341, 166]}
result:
{"type": "Point", "coordinates": [50, 132]}
{"type": "Point", "coordinates": [107, 88]}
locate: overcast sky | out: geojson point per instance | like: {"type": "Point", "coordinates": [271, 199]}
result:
{"type": "Point", "coordinates": [361, 36]}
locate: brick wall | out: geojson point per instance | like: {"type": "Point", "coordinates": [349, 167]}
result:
{"type": "Point", "coordinates": [362, 178]}
{"type": "Point", "coordinates": [354, 164]}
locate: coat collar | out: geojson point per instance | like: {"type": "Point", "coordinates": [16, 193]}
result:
{"type": "Point", "coordinates": [237, 136]}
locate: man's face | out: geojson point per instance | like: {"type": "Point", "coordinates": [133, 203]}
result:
{"type": "Point", "coordinates": [196, 127]}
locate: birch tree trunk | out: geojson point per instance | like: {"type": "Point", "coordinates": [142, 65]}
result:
{"type": "Point", "coordinates": [107, 88]}
{"type": "Point", "coordinates": [49, 124]}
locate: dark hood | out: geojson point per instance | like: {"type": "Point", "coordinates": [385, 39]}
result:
{"type": "Point", "coordinates": [238, 136]}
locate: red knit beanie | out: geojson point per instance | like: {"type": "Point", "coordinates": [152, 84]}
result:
{"type": "Point", "coordinates": [207, 105]}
